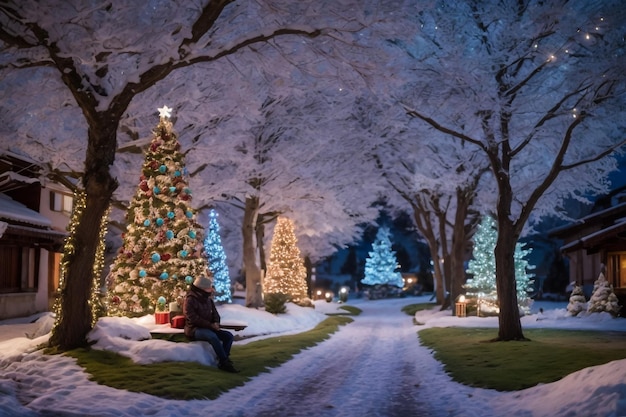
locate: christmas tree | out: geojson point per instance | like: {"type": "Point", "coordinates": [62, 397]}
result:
{"type": "Point", "coordinates": [603, 298]}
{"type": "Point", "coordinates": [381, 263]}
{"type": "Point", "coordinates": [161, 251]}
{"type": "Point", "coordinates": [286, 273]}
{"type": "Point", "coordinates": [482, 286]}
{"type": "Point", "coordinates": [577, 301]}
{"type": "Point", "coordinates": [217, 260]}
{"type": "Point", "coordinates": [523, 279]}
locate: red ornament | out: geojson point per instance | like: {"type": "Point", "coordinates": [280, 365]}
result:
{"type": "Point", "coordinates": [166, 257]}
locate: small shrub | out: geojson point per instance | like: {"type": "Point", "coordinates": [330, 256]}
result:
{"type": "Point", "coordinates": [275, 303]}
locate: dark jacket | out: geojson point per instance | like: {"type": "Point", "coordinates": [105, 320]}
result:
{"type": "Point", "coordinates": [199, 310]}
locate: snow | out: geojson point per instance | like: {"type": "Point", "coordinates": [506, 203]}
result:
{"type": "Point", "coordinates": [33, 384]}
{"type": "Point", "coordinates": [12, 210]}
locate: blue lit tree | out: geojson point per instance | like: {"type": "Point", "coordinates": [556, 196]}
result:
{"type": "Point", "coordinates": [217, 260]}
{"type": "Point", "coordinates": [381, 264]}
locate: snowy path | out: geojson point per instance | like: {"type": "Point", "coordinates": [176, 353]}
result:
{"type": "Point", "coordinates": [380, 353]}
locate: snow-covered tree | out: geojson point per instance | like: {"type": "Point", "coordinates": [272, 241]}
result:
{"type": "Point", "coordinates": [216, 258]}
{"type": "Point", "coordinates": [603, 298]}
{"type": "Point", "coordinates": [161, 253]}
{"type": "Point", "coordinates": [381, 265]}
{"type": "Point", "coordinates": [286, 273]}
{"type": "Point", "coordinates": [577, 301]}
{"type": "Point", "coordinates": [66, 64]}
{"type": "Point", "coordinates": [539, 101]}
{"type": "Point", "coordinates": [523, 278]}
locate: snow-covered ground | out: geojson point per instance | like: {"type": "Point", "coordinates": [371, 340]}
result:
{"type": "Point", "coordinates": [33, 384]}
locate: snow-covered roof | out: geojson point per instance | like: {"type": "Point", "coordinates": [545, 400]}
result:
{"type": "Point", "coordinates": [592, 238]}
{"type": "Point", "coordinates": [12, 210]}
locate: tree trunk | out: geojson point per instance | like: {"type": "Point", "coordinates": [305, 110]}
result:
{"type": "Point", "coordinates": [459, 243]}
{"type": "Point", "coordinates": [254, 287]}
{"type": "Point", "coordinates": [509, 324]}
{"type": "Point", "coordinates": [75, 316]}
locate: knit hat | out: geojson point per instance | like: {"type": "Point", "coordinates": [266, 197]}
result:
{"type": "Point", "coordinates": [203, 282]}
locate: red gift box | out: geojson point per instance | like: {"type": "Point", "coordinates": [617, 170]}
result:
{"type": "Point", "coordinates": [161, 317]}
{"type": "Point", "coordinates": [178, 322]}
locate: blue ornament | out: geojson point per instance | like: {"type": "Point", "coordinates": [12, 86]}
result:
{"type": "Point", "coordinates": [188, 279]}
{"type": "Point", "coordinates": [177, 173]}
{"type": "Point", "coordinates": [146, 222]}
{"type": "Point", "coordinates": [183, 253]}
{"type": "Point", "coordinates": [164, 275]}
{"type": "Point", "coordinates": [156, 257]}
{"type": "Point", "coordinates": [187, 191]}
{"type": "Point", "coordinates": [169, 234]}
{"type": "Point", "coordinates": [172, 189]}
{"type": "Point", "coordinates": [159, 221]}
{"type": "Point", "coordinates": [156, 190]}
{"type": "Point", "coordinates": [162, 169]}
{"type": "Point", "coordinates": [161, 300]}
{"type": "Point", "coordinates": [192, 234]}
{"type": "Point", "coordinates": [189, 214]}
{"type": "Point", "coordinates": [170, 214]}
{"type": "Point", "coordinates": [142, 273]}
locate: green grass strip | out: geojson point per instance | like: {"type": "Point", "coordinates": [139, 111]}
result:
{"type": "Point", "coordinates": [189, 380]}
{"type": "Point", "coordinates": [470, 358]}
{"type": "Point", "coordinates": [411, 309]}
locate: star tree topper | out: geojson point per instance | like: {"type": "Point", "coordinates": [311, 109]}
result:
{"type": "Point", "coordinates": [165, 112]}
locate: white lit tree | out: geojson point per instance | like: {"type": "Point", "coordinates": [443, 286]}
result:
{"type": "Point", "coordinates": [161, 252]}
{"type": "Point", "coordinates": [577, 301]}
{"type": "Point", "coordinates": [381, 265]}
{"type": "Point", "coordinates": [603, 297]}
{"type": "Point", "coordinates": [482, 285]}
{"type": "Point", "coordinates": [286, 273]}
{"type": "Point", "coordinates": [217, 260]}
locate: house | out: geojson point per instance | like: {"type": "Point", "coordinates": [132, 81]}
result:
{"type": "Point", "coordinates": [595, 241]}
{"type": "Point", "coordinates": [34, 215]}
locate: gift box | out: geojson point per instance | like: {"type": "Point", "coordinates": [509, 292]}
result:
{"type": "Point", "coordinates": [178, 322]}
{"type": "Point", "coordinates": [161, 317]}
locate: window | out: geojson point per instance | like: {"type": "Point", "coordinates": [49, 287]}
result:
{"type": "Point", "coordinates": [60, 202]}
{"type": "Point", "coordinates": [616, 269]}
{"type": "Point", "coordinates": [19, 269]}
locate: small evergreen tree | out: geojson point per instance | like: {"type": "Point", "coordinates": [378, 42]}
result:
{"type": "Point", "coordinates": [161, 251]}
{"type": "Point", "coordinates": [216, 258]}
{"type": "Point", "coordinates": [523, 279]}
{"type": "Point", "coordinates": [286, 273]}
{"type": "Point", "coordinates": [381, 264]}
{"type": "Point", "coordinates": [603, 298]}
{"type": "Point", "coordinates": [577, 301]}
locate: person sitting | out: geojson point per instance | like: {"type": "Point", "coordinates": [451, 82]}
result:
{"type": "Point", "coordinates": [202, 321]}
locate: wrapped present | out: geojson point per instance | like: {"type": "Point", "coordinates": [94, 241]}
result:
{"type": "Point", "coordinates": [178, 322]}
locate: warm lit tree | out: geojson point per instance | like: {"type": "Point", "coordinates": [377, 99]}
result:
{"type": "Point", "coordinates": [216, 257]}
{"type": "Point", "coordinates": [161, 253]}
{"type": "Point", "coordinates": [286, 273]}
{"type": "Point", "coordinates": [381, 265]}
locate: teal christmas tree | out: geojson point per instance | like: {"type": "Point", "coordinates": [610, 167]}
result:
{"type": "Point", "coordinates": [481, 287]}
{"type": "Point", "coordinates": [161, 251]}
{"type": "Point", "coordinates": [381, 264]}
{"type": "Point", "coordinates": [216, 258]}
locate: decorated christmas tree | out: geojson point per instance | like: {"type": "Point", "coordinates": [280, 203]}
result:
{"type": "Point", "coordinates": [217, 260]}
{"type": "Point", "coordinates": [161, 251]}
{"type": "Point", "coordinates": [603, 297]}
{"type": "Point", "coordinates": [481, 287]}
{"type": "Point", "coordinates": [523, 279]}
{"type": "Point", "coordinates": [381, 263]}
{"type": "Point", "coordinates": [286, 273]}
{"type": "Point", "coordinates": [577, 301]}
